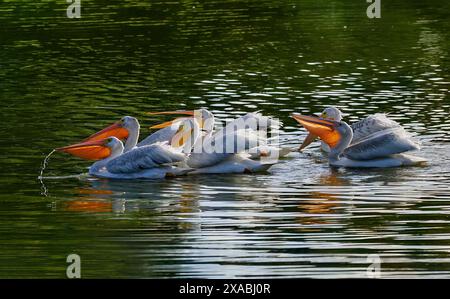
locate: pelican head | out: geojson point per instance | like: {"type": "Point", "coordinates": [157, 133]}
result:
{"type": "Point", "coordinates": [95, 149]}
{"type": "Point", "coordinates": [204, 117]}
{"type": "Point", "coordinates": [331, 113]}
{"type": "Point", "coordinates": [129, 123]}
{"type": "Point", "coordinates": [336, 134]}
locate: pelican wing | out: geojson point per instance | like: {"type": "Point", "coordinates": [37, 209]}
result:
{"type": "Point", "coordinates": [378, 136]}
{"type": "Point", "coordinates": [372, 124]}
{"type": "Point", "coordinates": [161, 135]}
{"type": "Point", "coordinates": [234, 142]}
{"type": "Point", "coordinates": [252, 120]}
{"type": "Point", "coordinates": [222, 146]}
{"type": "Point", "coordinates": [145, 157]}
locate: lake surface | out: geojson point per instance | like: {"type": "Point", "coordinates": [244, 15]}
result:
{"type": "Point", "coordinates": [62, 79]}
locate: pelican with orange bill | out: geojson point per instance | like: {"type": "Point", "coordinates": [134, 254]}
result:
{"type": "Point", "coordinates": [383, 146]}
{"type": "Point", "coordinates": [156, 160]}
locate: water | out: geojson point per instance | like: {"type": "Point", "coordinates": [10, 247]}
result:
{"type": "Point", "coordinates": [41, 177]}
{"type": "Point", "coordinates": [63, 79]}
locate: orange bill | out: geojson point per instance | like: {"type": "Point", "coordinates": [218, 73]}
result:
{"type": "Point", "coordinates": [89, 150]}
{"type": "Point", "coordinates": [325, 129]}
{"type": "Point", "coordinates": [116, 130]}
{"type": "Point", "coordinates": [183, 112]}
{"type": "Point", "coordinates": [167, 123]}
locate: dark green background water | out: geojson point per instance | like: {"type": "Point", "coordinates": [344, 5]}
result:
{"type": "Point", "coordinates": [62, 79]}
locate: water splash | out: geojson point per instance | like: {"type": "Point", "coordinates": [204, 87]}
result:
{"type": "Point", "coordinates": [44, 190]}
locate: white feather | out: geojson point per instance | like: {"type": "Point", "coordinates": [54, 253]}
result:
{"type": "Point", "coordinates": [379, 136]}
{"type": "Point", "coordinates": [161, 135]}
{"type": "Point", "coordinates": [144, 157]}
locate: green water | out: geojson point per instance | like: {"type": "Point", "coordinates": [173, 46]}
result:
{"type": "Point", "coordinates": [62, 79]}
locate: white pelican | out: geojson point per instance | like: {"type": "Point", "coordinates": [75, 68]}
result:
{"type": "Point", "coordinates": [381, 145]}
{"type": "Point", "coordinates": [230, 156]}
{"type": "Point", "coordinates": [151, 161]}
{"type": "Point", "coordinates": [204, 118]}
{"type": "Point", "coordinates": [234, 140]}
{"type": "Point", "coordinates": [362, 128]}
